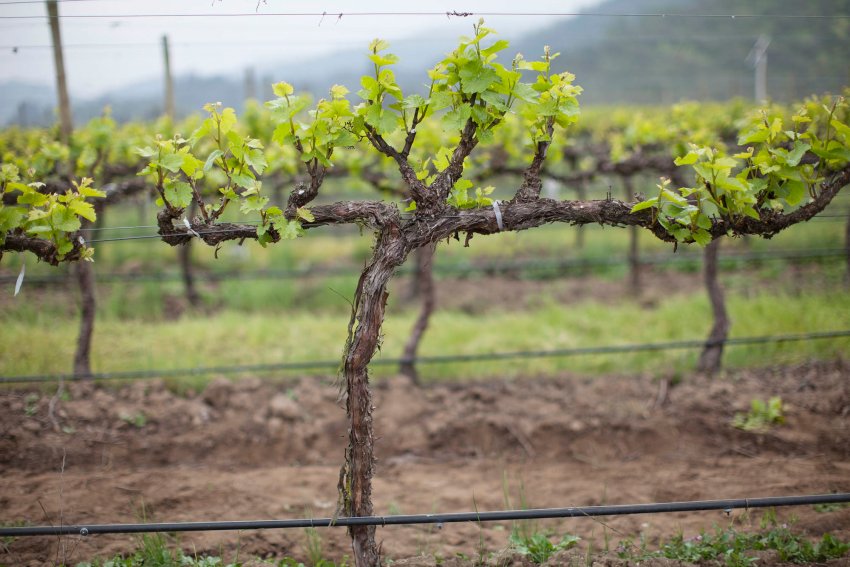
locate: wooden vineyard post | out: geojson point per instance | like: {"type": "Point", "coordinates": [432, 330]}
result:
{"type": "Point", "coordinates": [65, 123]}
{"type": "Point", "coordinates": [169, 105]}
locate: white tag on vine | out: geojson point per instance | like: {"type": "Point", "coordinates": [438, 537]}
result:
{"type": "Point", "coordinates": [20, 280]}
{"type": "Point", "coordinates": [498, 216]}
{"type": "Point", "coordinates": [189, 228]}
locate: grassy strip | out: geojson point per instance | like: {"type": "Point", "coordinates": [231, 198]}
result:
{"type": "Point", "coordinates": [232, 337]}
{"type": "Point", "coordinates": [730, 547]}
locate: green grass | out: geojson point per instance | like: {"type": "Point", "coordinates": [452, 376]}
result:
{"type": "Point", "coordinates": [725, 546]}
{"type": "Point", "coordinates": [256, 337]}
{"type": "Point", "coordinates": [249, 321]}
{"type": "Point", "coordinates": [734, 548]}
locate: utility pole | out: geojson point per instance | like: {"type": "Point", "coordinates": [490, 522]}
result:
{"type": "Point", "coordinates": [170, 107]}
{"type": "Point", "coordinates": [758, 59]}
{"type": "Point", "coordinates": [66, 125]}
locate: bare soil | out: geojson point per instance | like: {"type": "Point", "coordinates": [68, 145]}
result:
{"type": "Point", "coordinates": [251, 450]}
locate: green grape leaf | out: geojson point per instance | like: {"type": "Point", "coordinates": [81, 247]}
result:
{"type": "Point", "coordinates": [306, 214]}
{"type": "Point", "coordinates": [64, 246]}
{"type": "Point", "coordinates": [413, 101]}
{"type": "Point", "coordinates": [338, 91]}
{"type": "Point", "coordinates": [687, 159]}
{"type": "Point", "coordinates": [62, 218]}
{"type": "Point", "coordinates": [475, 78]}
{"type": "Point", "coordinates": [441, 99]}
{"type": "Point", "coordinates": [499, 45]}
{"type": "Point", "coordinates": [171, 161]}
{"type": "Point", "coordinates": [83, 209]}
{"type": "Point", "coordinates": [190, 164]}
{"type": "Point", "coordinates": [701, 237]}
{"type": "Point", "coordinates": [794, 192]}
{"type": "Point", "coordinates": [795, 155]}
{"type": "Point", "coordinates": [253, 203]}
{"type": "Point", "coordinates": [383, 121]}
{"type": "Point", "coordinates": [10, 217]}
{"type": "Point", "coordinates": [211, 159]}
{"type": "Point", "coordinates": [282, 89]}
{"type": "Point", "coordinates": [228, 120]}
{"type": "Point", "coordinates": [456, 119]}
{"type": "Point", "coordinates": [87, 191]}
{"type": "Point", "coordinates": [842, 129]}
{"type": "Point", "coordinates": [146, 152]}
{"type": "Point", "coordinates": [291, 230]}
{"type": "Point", "coordinates": [381, 60]}
{"type": "Point", "coordinates": [178, 194]}
{"type": "Point", "coordinates": [32, 198]}
{"type": "Point", "coordinates": [645, 205]}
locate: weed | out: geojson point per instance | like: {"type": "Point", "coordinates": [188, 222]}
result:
{"type": "Point", "coordinates": [762, 415]}
{"type": "Point", "coordinates": [314, 547]}
{"type": "Point", "coordinates": [154, 551]}
{"type": "Point", "coordinates": [482, 549]}
{"type": "Point", "coordinates": [31, 407]}
{"type": "Point", "coordinates": [526, 538]}
{"type": "Point", "coordinates": [831, 507]}
{"type": "Point", "coordinates": [736, 549]}
{"type": "Point", "coordinates": [539, 548]}
{"type": "Point", "coordinates": [423, 545]}
{"type": "Point", "coordinates": [138, 419]}
{"type": "Point", "coordinates": [321, 562]}
{"type": "Point", "coordinates": [6, 541]}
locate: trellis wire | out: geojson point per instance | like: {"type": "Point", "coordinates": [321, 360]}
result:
{"type": "Point", "coordinates": [440, 359]}
{"type": "Point", "coordinates": [447, 14]}
{"type": "Point", "coordinates": [457, 517]}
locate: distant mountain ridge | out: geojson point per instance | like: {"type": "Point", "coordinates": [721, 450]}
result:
{"type": "Point", "coordinates": [659, 60]}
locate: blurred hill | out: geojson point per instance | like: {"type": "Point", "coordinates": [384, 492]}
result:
{"type": "Point", "coordinates": [662, 60]}
{"type": "Point", "coordinates": [633, 59]}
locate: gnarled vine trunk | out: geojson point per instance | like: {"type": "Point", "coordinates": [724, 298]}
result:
{"type": "Point", "coordinates": [712, 354]}
{"type": "Point", "coordinates": [425, 276]}
{"type": "Point", "coordinates": [370, 300]}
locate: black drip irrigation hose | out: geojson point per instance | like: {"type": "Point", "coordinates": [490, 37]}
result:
{"type": "Point", "coordinates": [443, 359]}
{"type": "Point", "coordinates": [456, 269]}
{"type": "Point", "coordinates": [404, 520]}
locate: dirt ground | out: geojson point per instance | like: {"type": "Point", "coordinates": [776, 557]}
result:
{"type": "Point", "coordinates": [251, 449]}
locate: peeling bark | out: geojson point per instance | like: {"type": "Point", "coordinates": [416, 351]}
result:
{"type": "Point", "coordinates": [712, 354]}
{"type": "Point", "coordinates": [355, 479]}
{"type": "Point", "coordinates": [581, 193]}
{"type": "Point", "coordinates": [425, 277]}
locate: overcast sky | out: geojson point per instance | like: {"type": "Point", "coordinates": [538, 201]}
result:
{"type": "Point", "coordinates": [106, 52]}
